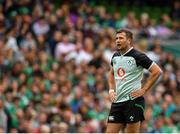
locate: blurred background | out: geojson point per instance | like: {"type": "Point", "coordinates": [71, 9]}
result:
{"type": "Point", "coordinates": [55, 56]}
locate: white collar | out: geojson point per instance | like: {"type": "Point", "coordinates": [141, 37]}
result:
{"type": "Point", "coordinates": [128, 50]}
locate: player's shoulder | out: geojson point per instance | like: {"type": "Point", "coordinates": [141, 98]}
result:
{"type": "Point", "coordinates": [116, 53]}
{"type": "Point", "coordinates": [135, 53]}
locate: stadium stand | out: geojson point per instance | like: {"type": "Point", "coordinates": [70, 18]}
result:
{"type": "Point", "coordinates": [55, 56]}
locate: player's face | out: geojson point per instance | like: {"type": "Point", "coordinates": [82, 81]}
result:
{"type": "Point", "coordinates": [121, 41]}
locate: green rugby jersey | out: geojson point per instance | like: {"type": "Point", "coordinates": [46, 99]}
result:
{"type": "Point", "coordinates": [128, 72]}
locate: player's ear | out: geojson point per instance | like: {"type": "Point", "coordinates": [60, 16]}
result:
{"type": "Point", "coordinates": [129, 41]}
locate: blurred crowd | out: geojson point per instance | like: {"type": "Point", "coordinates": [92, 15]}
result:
{"type": "Point", "coordinates": [54, 62]}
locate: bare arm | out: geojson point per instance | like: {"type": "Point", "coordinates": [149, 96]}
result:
{"type": "Point", "coordinates": [111, 82]}
{"type": "Point", "coordinates": [155, 73]}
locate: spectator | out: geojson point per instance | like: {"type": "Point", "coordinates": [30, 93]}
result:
{"type": "Point", "coordinates": [3, 116]}
{"type": "Point", "coordinates": [64, 47]}
{"type": "Point", "coordinates": [53, 56]}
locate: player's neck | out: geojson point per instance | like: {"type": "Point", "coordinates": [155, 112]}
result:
{"type": "Point", "coordinates": [126, 50]}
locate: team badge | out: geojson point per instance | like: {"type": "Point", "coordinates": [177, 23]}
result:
{"type": "Point", "coordinates": [130, 62]}
{"type": "Point", "coordinates": [131, 118]}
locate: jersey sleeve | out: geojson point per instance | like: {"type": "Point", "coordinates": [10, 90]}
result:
{"type": "Point", "coordinates": [112, 59]}
{"type": "Point", "coordinates": [144, 61]}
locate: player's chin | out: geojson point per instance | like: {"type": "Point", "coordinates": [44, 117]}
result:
{"type": "Point", "coordinates": [118, 45]}
{"type": "Point", "coordinates": [118, 48]}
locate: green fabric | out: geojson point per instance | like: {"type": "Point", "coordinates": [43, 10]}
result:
{"type": "Point", "coordinates": [45, 68]}
{"type": "Point", "coordinates": [178, 127]}
{"type": "Point", "coordinates": [97, 115]}
{"type": "Point", "coordinates": [170, 110]}
{"type": "Point", "coordinates": [38, 97]}
{"type": "Point", "coordinates": [11, 109]}
{"type": "Point", "coordinates": [29, 93]}
{"type": "Point", "coordinates": [156, 110]}
{"type": "Point", "coordinates": [118, 24]}
{"type": "Point", "coordinates": [140, 106]}
{"type": "Point", "coordinates": [169, 129]}
{"type": "Point", "coordinates": [23, 102]}
{"type": "Point", "coordinates": [47, 84]}
{"type": "Point", "coordinates": [91, 80]}
{"type": "Point", "coordinates": [30, 80]}
{"type": "Point", "coordinates": [14, 120]}
{"type": "Point", "coordinates": [13, 13]}
{"type": "Point", "coordinates": [23, 10]}
{"type": "Point", "coordinates": [28, 70]}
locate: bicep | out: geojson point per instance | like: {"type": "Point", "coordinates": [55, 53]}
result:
{"type": "Point", "coordinates": [154, 68]}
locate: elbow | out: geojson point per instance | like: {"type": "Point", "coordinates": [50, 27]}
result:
{"type": "Point", "coordinates": [160, 73]}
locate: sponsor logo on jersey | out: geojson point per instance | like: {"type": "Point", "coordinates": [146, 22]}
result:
{"type": "Point", "coordinates": [121, 72]}
{"type": "Point", "coordinates": [131, 118]}
{"type": "Point", "coordinates": [130, 62]}
{"type": "Point", "coordinates": [111, 118]}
